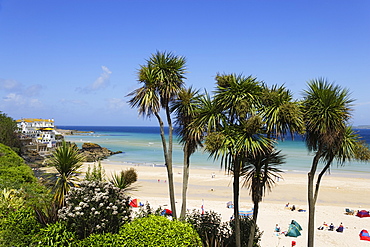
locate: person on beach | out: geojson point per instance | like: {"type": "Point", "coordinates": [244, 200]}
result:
{"type": "Point", "coordinates": [340, 228]}
{"type": "Point", "coordinates": [277, 228]}
{"type": "Point", "coordinates": [324, 226]}
{"type": "Point", "coordinates": [331, 227]}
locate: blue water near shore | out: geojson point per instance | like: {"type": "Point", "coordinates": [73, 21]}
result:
{"type": "Point", "coordinates": [142, 145]}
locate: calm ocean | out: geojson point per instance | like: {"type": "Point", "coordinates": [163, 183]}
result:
{"type": "Point", "coordinates": [142, 145]}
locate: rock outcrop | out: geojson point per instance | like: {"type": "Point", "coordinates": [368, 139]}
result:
{"type": "Point", "coordinates": [94, 152]}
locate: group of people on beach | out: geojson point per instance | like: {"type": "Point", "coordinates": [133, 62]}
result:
{"type": "Point", "coordinates": [331, 227]}
{"type": "Point", "coordinates": [293, 208]}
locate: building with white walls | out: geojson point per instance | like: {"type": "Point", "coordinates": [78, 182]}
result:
{"type": "Point", "coordinates": [41, 131]}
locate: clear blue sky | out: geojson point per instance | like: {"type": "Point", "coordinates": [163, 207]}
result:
{"type": "Point", "coordinates": [76, 60]}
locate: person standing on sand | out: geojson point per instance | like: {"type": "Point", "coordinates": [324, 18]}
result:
{"type": "Point", "coordinates": [277, 228]}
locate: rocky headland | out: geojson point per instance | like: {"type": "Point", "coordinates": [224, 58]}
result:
{"type": "Point", "coordinates": [94, 152]}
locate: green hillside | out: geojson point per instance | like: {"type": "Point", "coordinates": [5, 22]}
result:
{"type": "Point", "coordinates": [14, 173]}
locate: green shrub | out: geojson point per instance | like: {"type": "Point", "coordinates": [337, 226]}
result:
{"type": "Point", "coordinates": [95, 207]}
{"type": "Point", "coordinates": [211, 230]}
{"type": "Point", "coordinates": [8, 132]}
{"type": "Point", "coordinates": [159, 231]}
{"type": "Point", "coordinates": [124, 179]}
{"type": "Point", "coordinates": [106, 240]}
{"type": "Point", "coordinates": [10, 200]}
{"type": "Point", "coordinates": [96, 174]}
{"type": "Point", "coordinates": [18, 227]}
{"type": "Point", "coordinates": [150, 231]}
{"type": "Point", "coordinates": [55, 235]}
{"type": "Point", "coordinates": [245, 226]}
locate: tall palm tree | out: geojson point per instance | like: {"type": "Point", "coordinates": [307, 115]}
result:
{"type": "Point", "coordinates": [67, 161]}
{"type": "Point", "coordinates": [185, 108]}
{"type": "Point", "coordinates": [162, 78]}
{"type": "Point", "coordinates": [259, 173]}
{"type": "Point", "coordinates": [280, 113]}
{"type": "Point", "coordinates": [234, 131]}
{"type": "Point", "coordinates": [351, 148]}
{"type": "Point", "coordinates": [326, 109]}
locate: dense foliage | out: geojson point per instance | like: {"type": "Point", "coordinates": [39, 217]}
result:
{"type": "Point", "coordinates": [246, 224]}
{"type": "Point", "coordinates": [213, 232]}
{"type": "Point", "coordinates": [124, 179]}
{"type": "Point", "coordinates": [55, 235]}
{"type": "Point", "coordinates": [14, 173]}
{"type": "Point", "coordinates": [18, 227]}
{"type": "Point", "coordinates": [8, 132]}
{"type": "Point", "coordinates": [149, 231]}
{"type": "Point", "coordinates": [95, 207]}
{"type": "Point", "coordinates": [97, 173]}
{"type": "Point", "coordinates": [67, 161]}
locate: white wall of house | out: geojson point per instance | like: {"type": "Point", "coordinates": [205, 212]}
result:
{"type": "Point", "coordinates": [40, 130]}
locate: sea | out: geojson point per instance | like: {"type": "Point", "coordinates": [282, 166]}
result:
{"type": "Point", "coordinates": [143, 146]}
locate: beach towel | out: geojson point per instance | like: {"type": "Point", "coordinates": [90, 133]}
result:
{"type": "Point", "coordinates": [246, 213]}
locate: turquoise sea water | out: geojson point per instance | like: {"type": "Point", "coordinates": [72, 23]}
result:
{"type": "Point", "coordinates": [142, 145]}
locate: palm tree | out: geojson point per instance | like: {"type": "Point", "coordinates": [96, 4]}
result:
{"type": "Point", "coordinates": [67, 161]}
{"type": "Point", "coordinates": [162, 79]}
{"type": "Point", "coordinates": [280, 113]}
{"type": "Point", "coordinates": [326, 110]}
{"type": "Point", "coordinates": [234, 131]}
{"type": "Point", "coordinates": [185, 108]}
{"type": "Point", "coordinates": [259, 173]}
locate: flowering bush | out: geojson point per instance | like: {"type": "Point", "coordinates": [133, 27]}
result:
{"type": "Point", "coordinates": [95, 207]}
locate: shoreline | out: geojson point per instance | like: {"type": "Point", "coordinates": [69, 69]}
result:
{"type": "Point", "coordinates": [337, 173]}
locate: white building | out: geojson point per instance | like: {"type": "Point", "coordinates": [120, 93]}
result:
{"type": "Point", "coordinates": [42, 131]}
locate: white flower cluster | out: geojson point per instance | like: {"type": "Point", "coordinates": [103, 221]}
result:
{"type": "Point", "coordinates": [95, 207]}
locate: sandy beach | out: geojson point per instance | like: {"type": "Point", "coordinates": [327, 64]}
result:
{"type": "Point", "coordinates": [336, 194]}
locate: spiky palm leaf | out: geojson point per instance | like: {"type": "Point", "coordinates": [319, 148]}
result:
{"type": "Point", "coordinates": [124, 179]}
{"type": "Point", "coordinates": [260, 171]}
{"type": "Point", "coordinates": [67, 161]}
{"type": "Point", "coordinates": [281, 114]}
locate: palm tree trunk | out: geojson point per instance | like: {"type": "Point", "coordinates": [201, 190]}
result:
{"type": "Point", "coordinates": [312, 201]}
{"type": "Point", "coordinates": [319, 177]}
{"type": "Point", "coordinates": [185, 180]}
{"type": "Point", "coordinates": [168, 163]}
{"type": "Point", "coordinates": [236, 203]}
{"type": "Point", "coordinates": [254, 224]}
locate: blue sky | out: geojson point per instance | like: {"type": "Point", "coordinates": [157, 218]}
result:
{"type": "Point", "coordinates": [75, 61]}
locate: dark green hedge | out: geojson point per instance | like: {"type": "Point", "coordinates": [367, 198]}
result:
{"type": "Point", "coordinates": [149, 231]}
